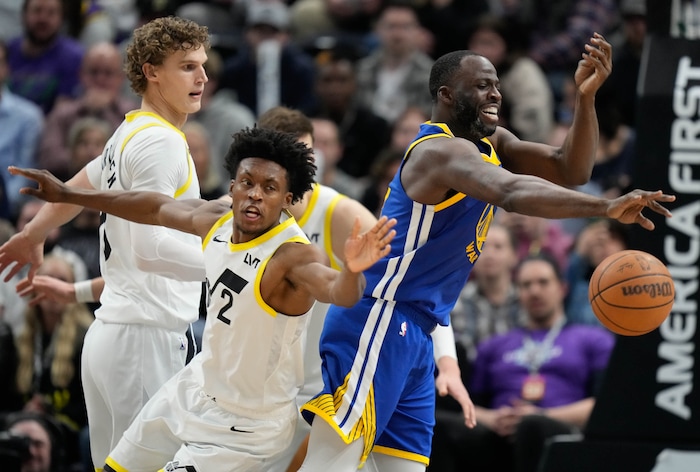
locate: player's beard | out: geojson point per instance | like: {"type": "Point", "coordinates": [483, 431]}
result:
{"type": "Point", "coordinates": [468, 117]}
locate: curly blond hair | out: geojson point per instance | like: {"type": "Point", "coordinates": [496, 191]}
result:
{"type": "Point", "coordinates": [156, 40]}
{"type": "Point", "coordinates": [75, 319]}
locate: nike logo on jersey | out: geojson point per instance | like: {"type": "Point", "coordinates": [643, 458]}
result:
{"type": "Point", "coordinates": [218, 239]}
{"type": "Point", "coordinates": [175, 465]}
{"type": "Point", "coordinates": [236, 430]}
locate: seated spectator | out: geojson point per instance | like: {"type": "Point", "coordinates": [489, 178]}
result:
{"type": "Point", "coordinates": [100, 96]}
{"type": "Point", "coordinates": [363, 133]}
{"type": "Point", "coordinates": [395, 75]}
{"type": "Point", "coordinates": [21, 122]}
{"type": "Point", "coordinates": [42, 443]}
{"type": "Point", "coordinates": [328, 149]}
{"type": "Point", "coordinates": [88, 22]}
{"type": "Point", "coordinates": [488, 304]}
{"type": "Point", "coordinates": [49, 349]}
{"type": "Point", "coordinates": [269, 70]}
{"type": "Point", "coordinates": [598, 240]}
{"type": "Point", "coordinates": [534, 235]}
{"type": "Point", "coordinates": [44, 63]}
{"type": "Point", "coordinates": [530, 383]}
{"type": "Point", "coordinates": [9, 396]}
{"type": "Point", "coordinates": [86, 140]}
{"type": "Point", "coordinates": [406, 127]}
{"type": "Point", "coordinates": [383, 170]}
{"type": "Point", "coordinates": [198, 141]}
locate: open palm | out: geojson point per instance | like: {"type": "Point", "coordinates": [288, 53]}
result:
{"type": "Point", "coordinates": [363, 250]}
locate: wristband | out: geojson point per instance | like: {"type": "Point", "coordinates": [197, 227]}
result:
{"type": "Point", "coordinates": [83, 291]}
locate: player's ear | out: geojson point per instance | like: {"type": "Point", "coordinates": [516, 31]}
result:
{"type": "Point", "coordinates": [287, 200]}
{"type": "Point", "coordinates": [149, 70]}
{"type": "Point", "coordinates": [444, 94]}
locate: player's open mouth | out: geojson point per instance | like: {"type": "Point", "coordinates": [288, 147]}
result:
{"type": "Point", "coordinates": [491, 113]}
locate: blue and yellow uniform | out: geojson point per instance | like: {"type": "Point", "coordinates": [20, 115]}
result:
{"type": "Point", "coordinates": [378, 357]}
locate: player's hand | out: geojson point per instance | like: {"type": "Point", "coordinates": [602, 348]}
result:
{"type": "Point", "coordinates": [628, 208]}
{"type": "Point", "coordinates": [363, 250]}
{"type": "Point", "coordinates": [19, 251]}
{"type": "Point", "coordinates": [50, 188]}
{"type": "Point", "coordinates": [595, 67]}
{"type": "Point", "coordinates": [44, 287]}
{"type": "Point", "coordinates": [449, 382]}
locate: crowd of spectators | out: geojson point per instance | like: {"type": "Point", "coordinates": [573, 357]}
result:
{"type": "Point", "coordinates": [359, 69]}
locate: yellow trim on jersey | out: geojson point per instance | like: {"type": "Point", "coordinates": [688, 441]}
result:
{"type": "Point", "coordinates": [112, 463]}
{"type": "Point", "coordinates": [98, 470]}
{"type": "Point", "coordinates": [492, 157]}
{"type": "Point", "coordinates": [219, 223]}
{"type": "Point", "coordinates": [450, 201]}
{"type": "Point", "coordinates": [411, 456]}
{"type": "Point", "coordinates": [190, 175]}
{"type": "Point", "coordinates": [326, 407]}
{"type": "Point", "coordinates": [133, 115]}
{"type": "Point", "coordinates": [327, 229]}
{"type": "Point", "coordinates": [258, 277]}
{"type": "Point", "coordinates": [313, 199]}
{"type": "Point", "coordinates": [131, 135]}
{"type": "Point", "coordinates": [263, 237]}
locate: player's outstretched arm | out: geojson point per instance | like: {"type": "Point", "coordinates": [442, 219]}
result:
{"type": "Point", "coordinates": [304, 267]}
{"type": "Point", "coordinates": [27, 246]}
{"type": "Point", "coordinates": [150, 208]}
{"type": "Point", "coordinates": [45, 287]}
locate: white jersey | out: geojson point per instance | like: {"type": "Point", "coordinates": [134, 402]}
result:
{"type": "Point", "coordinates": [251, 359]}
{"type": "Point", "coordinates": [145, 153]}
{"type": "Point", "coordinates": [316, 224]}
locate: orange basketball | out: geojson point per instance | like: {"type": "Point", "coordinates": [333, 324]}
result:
{"type": "Point", "coordinates": [631, 292]}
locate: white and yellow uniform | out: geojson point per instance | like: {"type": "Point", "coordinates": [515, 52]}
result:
{"type": "Point", "coordinates": [233, 406]}
{"type": "Point", "coordinates": [153, 278]}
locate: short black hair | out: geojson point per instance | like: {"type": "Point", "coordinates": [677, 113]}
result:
{"type": "Point", "coordinates": [276, 146]}
{"type": "Point", "coordinates": [544, 256]}
{"type": "Point", "coordinates": [444, 69]}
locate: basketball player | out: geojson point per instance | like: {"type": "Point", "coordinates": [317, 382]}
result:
{"type": "Point", "coordinates": [326, 217]}
{"type": "Point", "coordinates": [377, 356]}
{"type": "Point", "coordinates": [233, 406]}
{"type": "Point", "coordinates": [153, 275]}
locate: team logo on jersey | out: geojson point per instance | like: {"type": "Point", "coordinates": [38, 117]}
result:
{"type": "Point", "coordinates": [183, 343]}
{"type": "Point", "coordinates": [218, 239]}
{"type": "Point", "coordinates": [402, 331]}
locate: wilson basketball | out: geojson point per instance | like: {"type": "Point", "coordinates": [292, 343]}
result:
{"type": "Point", "coordinates": [631, 292]}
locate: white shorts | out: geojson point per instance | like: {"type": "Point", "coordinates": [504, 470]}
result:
{"type": "Point", "coordinates": [123, 365]}
{"type": "Point", "coordinates": [181, 426]}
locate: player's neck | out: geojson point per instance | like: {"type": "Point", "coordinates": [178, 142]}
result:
{"type": "Point", "coordinates": [545, 323]}
{"type": "Point", "coordinates": [163, 110]}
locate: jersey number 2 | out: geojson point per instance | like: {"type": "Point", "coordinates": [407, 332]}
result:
{"type": "Point", "coordinates": [231, 282]}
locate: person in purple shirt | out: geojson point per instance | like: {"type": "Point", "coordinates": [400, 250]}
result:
{"type": "Point", "coordinates": [45, 64]}
{"type": "Point", "coordinates": [530, 383]}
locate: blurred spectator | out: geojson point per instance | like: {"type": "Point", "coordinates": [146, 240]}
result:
{"type": "Point", "coordinates": [612, 171]}
{"type": "Point", "coordinates": [49, 348]}
{"type": "Point", "coordinates": [535, 235]}
{"type": "Point", "coordinates": [269, 70]}
{"type": "Point", "coordinates": [345, 20]}
{"type": "Point", "coordinates": [198, 141]}
{"type": "Point", "coordinates": [383, 170]}
{"type": "Point", "coordinates": [598, 240]}
{"type": "Point", "coordinates": [396, 74]}
{"type": "Point", "coordinates": [528, 103]}
{"type": "Point", "coordinates": [627, 57]}
{"type": "Point", "coordinates": [362, 133]}
{"type": "Point", "coordinates": [406, 127]}
{"type": "Point", "coordinates": [488, 304]}
{"type": "Point", "coordinates": [328, 150]}
{"type": "Point", "coordinates": [88, 22]}
{"type": "Point", "coordinates": [21, 122]}
{"type": "Point", "coordinates": [529, 384]}
{"type": "Point", "coordinates": [87, 138]}
{"type": "Point", "coordinates": [10, 19]}
{"type": "Point", "coordinates": [44, 63]}
{"type": "Point", "coordinates": [448, 21]}
{"type": "Point", "coordinates": [101, 81]}
{"type": "Point", "coordinates": [44, 444]}
{"type": "Point", "coordinates": [557, 30]}
{"type": "Point", "coordinates": [222, 115]}
{"type": "Point", "coordinates": [9, 396]}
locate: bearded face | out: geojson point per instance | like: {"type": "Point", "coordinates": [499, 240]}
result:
{"type": "Point", "coordinates": [468, 116]}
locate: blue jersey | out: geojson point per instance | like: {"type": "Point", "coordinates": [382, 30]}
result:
{"type": "Point", "coordinates": [435, 246]}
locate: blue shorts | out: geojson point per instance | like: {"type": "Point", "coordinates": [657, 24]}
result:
{"type": "Point", "coordinates": [379, 378]}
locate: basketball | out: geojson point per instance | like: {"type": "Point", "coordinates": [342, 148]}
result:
{"type": "Point", "coordinates": [631, 292]}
